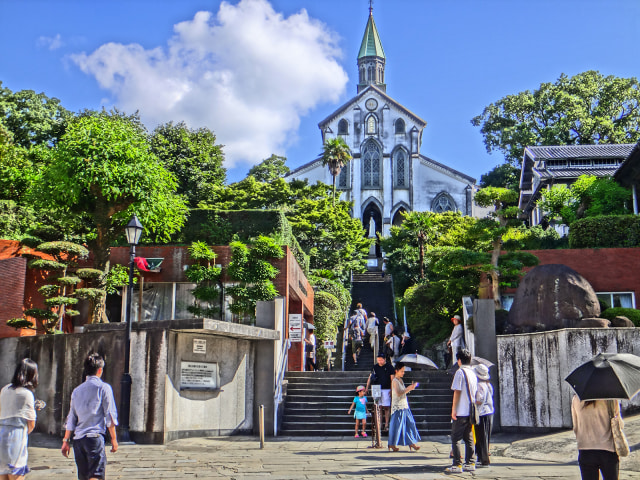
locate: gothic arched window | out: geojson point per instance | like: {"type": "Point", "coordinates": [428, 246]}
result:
{"type": "Point", "coordinates": [343, 178]}
{"type": "Point", "coordinates": [401, 166]}
{"type": "Point", "coordinates": [343, 127]}
{"type": "Point", "coordinates": [371, 165]}
{"type": "Point", "coordinates": [371, 125]}
{"type": "Point", "coordinates": [443, 203]}
{"type": "Point", "coordinates": [400, 126]}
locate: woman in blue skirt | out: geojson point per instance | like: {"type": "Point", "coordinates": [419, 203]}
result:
{"type": "Point", "coordinates": [402, 427]}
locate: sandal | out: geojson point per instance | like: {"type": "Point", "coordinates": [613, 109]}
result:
{"type": "Point", "coordinates": [364, 434]}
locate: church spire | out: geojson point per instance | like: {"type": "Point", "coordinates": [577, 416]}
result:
{"type": "Point", "coordinates": [371, 57]}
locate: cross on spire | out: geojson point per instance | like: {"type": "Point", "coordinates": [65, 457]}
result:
{"type": "Point", "coordinates": [370, 7]}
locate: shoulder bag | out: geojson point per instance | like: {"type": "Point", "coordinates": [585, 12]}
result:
{"type": "Point", "coordinates": [619, 440]}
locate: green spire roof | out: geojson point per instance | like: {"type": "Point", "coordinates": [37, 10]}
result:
{"type": "Point", "coordinates": [371, 45]}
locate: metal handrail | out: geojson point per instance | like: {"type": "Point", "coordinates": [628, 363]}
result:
{"type": "Point", "coordinates": [277, 397]}
{"type": "Point", "coordinates": [345, 329]}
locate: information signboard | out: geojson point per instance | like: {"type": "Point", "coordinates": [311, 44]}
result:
{"type": "Point", "coordinates": [329, 345]}
{"type": "Point", "coordinates": [198, 376]}
{"type": "Point", "coordinates": [295, 327]}
{"type": "Point", "coordinates": [200, 346]}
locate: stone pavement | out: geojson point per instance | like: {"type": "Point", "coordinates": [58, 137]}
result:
{"type": "Point", "coordinates": [514, 456]}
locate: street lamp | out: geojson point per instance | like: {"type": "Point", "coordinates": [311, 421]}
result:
{"type": "Point", "coordinates": [133, 230]}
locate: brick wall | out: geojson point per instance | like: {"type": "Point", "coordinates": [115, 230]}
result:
{"type": "Point", "coordinates": [606, 269]}
{"type": "Point", "coordinates": [12, 281]}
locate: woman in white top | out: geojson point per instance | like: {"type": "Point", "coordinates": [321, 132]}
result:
{"type": "Point", "coordinates": [456, 340]}
{"type": "Point", "coordinates": [17, 420]}
{"type": "Point", "coordinates": [484, 404]}
{"type": "Point", "coordinates": [402, 426]}
{"type": "Point", "coordinates": [596, 450]}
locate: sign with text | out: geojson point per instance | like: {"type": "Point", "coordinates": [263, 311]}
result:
{"type": "Point", "coordinates": [198, 376]}
{"type": "Point", "coordinates": [199, 346]}
{"type": "Point", "coordinates": [295, 327]}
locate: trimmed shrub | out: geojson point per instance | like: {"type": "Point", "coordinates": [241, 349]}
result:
{"type": "Point", "coordinates": [631, 313]}
{"type": "Point", "coordinates": [605, 231]}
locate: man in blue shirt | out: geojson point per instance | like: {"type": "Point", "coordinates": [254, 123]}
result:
{"type": "Point", "coordinates": [92, 412]}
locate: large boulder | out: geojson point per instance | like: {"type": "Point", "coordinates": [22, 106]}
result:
{"type": "Point", "coordinates": [553, 296]}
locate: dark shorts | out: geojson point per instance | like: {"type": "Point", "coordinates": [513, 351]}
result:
{"type": "Point", "coordinates": [90, 457]}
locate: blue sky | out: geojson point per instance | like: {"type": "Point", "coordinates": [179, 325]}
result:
{"type": "Point", "coordinates": [262, 74]}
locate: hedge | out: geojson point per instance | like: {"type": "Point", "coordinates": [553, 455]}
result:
{"type": "Point", "coordinates": [605, 231]}
{"type": "Point", "coordinates": [631, 313]}
{"type": "Point", "coordinates": [220, 227]}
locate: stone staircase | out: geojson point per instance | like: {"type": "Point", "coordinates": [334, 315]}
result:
{"type": "Point", "coordinates": [317, 402]}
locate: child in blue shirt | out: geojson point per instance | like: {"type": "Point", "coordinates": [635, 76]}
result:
{"type": "Point", "coordinates": [360, 403]}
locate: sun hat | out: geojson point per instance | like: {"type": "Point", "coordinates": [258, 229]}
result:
{"type": "Point", "coordinates": [482, 372]}
{"type": "Point", "coordinates": [359, 388]}
{"type": "Point", "coordinates": [406, 335]}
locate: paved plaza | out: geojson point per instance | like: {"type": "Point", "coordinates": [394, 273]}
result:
{"type": "Point", "coordinates": [551, 456]}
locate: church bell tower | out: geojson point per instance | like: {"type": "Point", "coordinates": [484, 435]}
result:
{"type": "Point", "coordinates": [371, 57]}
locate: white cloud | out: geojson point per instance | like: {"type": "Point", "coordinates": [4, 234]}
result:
{"type": "Point", "coordinates": [248, 74]}
{"type": "Point", "coordinates": [52, 43]}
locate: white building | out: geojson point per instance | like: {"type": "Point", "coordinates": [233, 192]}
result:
{"type": "Point", "coordinates": [388, 174]}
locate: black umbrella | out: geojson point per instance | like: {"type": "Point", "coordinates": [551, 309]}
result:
{"type": "Point", "coordinates": [416, 361]}
{"type": "Point", "coordinates": [607, 376]}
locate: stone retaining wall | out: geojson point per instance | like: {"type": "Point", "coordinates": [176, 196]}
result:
{"type": "Point", "coordinates": [532, 368]}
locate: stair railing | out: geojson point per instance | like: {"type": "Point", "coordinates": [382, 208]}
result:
{"type": "Point", "coordinates": [277, 397]}
{"type": "Point", "coordinates": [345, 329]}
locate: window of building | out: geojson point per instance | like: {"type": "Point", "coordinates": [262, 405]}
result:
{"type": "Point", "coordinates": [162, 301]}
{"type": "Point", "coordinates": [443, 203]}
{"type": "Point", "coordinates": [371, 125]}
{"type": "Point", "coordinates": [401, 176]}
{"type": "Point", "coordinates": [400, 126]}
{"type": "Point", "coordinates": [343, 178]}
{"type": "Point", "coordinates": [617, 299]}
{"type": "Point", "coordinates": [371, 165]}
{"type": "Point", "coordinates": [343, 127]}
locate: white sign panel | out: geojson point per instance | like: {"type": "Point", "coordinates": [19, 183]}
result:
{"type": "Point", "coordinates": [329, 345]}
{"type": "Point", "coordinates": [198, 376]}
{"type": "Point", "coordinates": [199, 346]}
{"type": "Point", "coordinates": [295, 327]}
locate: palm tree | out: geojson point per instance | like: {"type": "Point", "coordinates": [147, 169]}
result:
{"type": "Point", "coordinates": [336, 154]}
{"type": "Point", "coordinates": [422, 226]}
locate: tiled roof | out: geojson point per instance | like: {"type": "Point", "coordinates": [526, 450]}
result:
{"type": "Point", "coordinates": [576, 172]}
{"type": "Point", "coordinates": [580, 151]}
{"type": "Point", "coordinates": [371, 45]}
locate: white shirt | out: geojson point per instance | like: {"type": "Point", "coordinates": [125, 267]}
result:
{"type": "Point", "coordinates": [456, 338]}
{"type": "Point", "coordinates": [17, 402]}
{"type": "Point", "coordinates": [485, 396]}
{"type": "Point", "coordinates": [388, 329]}
{"type": "Point", "coordinates": [459, 383]}
{"type": "Point", "coordinates": [372, 325]}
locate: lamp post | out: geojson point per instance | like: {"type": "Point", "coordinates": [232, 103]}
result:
{"type": "Point", "coordinates": [133, 230]}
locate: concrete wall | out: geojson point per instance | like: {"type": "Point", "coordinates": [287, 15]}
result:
{"type": "Point", "coordinates": [160, 411]}
{"type": "Point", "coordinates": [532, 369]}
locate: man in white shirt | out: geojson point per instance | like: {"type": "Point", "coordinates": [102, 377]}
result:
{"type": "Point", "coordinates": [464, 386]}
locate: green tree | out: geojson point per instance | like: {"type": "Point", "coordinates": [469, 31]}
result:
{"type": "Point", "coordinates": [588, 108]}
{"type": "Point", "coordinates": [206, 275]}
{"type": "Point", "coordinates": [103, 171]}
{"type": "Point", "coordinates": [192, 156]}
{"type": "Point", "coordinates": [336, 155]}
{"type": "Point", "coordinates": [503, 216]}
{"type": "Point", "coordinates": [422, 227]}
{"type": "Point", "coordinates": [326, 232]}
{"type": "Point", "coordinates": [32, 118]}
{"type": "Point", "coordinates": [503, 176]}
{"type": "Point", "coordinates": [251, 270]}
{"type": "Point", "coordinates": [270, 169]}
{"type": "Point", "coordinates": [588, 196]}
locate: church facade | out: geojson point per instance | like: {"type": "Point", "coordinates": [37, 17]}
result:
{"type": "Point", "coordinates": [387, 175]}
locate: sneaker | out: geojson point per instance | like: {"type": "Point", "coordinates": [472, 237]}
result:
{"type": "Point", "coordinates": [356, 436]}
{"type": "Point", "coordinates": [454, 469]}
{"type": "Point", "coordinates": [482, 465]}
{"type": "Point", "coordinates": [469, 467]}
{"type": "Point", "coordinates": [364, 434]}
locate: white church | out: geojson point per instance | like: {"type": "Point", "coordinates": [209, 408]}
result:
{"type": "Point", "coordinates": [387, 175]}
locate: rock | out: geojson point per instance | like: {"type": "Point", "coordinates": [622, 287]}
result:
{"type": "Point", "coordinates": [593, 323]}
{"type": "Point", "coordinates": [622, 322]}
{"type": "Point", "coordinates": [553, 296]}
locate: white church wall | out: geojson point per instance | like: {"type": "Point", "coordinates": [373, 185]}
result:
{"type": "Point", "coordinates": [428, 183]}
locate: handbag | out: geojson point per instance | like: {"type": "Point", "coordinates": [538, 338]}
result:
{"type": "Point", "coordinates": [473, 411]}
{"type": "Point", "coordinates": [619, 439]}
